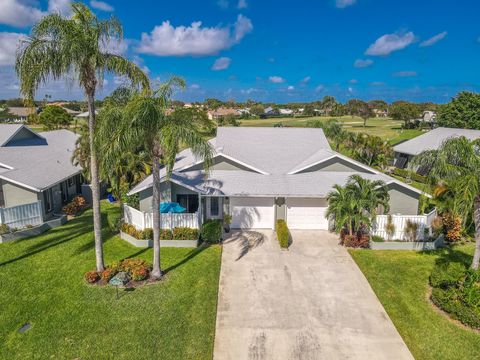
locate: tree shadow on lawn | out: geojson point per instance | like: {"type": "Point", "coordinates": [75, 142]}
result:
{"type": "Point", "coordinates": [187, 258]}
{"type": "Point", "coordinates": [449, 255]}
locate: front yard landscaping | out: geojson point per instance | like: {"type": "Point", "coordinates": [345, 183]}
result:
{"type": "Point", "coordinates": [42, 283]}
{"type": "Point", "coordinates": [401, 281]}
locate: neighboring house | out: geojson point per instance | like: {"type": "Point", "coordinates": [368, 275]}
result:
{"type": "Point", "coordinates": [429, 117]}
{"type": "Point", "coordinates": [269, 111]}
{"type": "Point", "coordinates": [431, 140]}
{"type": "Point", "coordinates": [37, 167]}
{"type": "Point", "coordinates": [260, 175]}
{"type": "Point", "coordinates": [380, 113]}
{"type": "Point", "coordinates": [86, 114]}
{"type": "Point", "coordinates": [22, 113]}
{"type": "Point", "coordinates": [286, 112]}
{"type": "Point", "coordinates": [222, 112]}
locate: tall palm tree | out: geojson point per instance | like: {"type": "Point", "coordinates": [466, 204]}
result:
{"type": "Point", "coordinates": [144, 122]}
{"type": "Point", "coordinates": [457, 164]}
{"type": "Point", "coordinates": [356, 203]}
{"type": "Point", "coordinates": [58, 47]}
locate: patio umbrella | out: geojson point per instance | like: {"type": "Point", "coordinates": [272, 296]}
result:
{"type": "Point", "coordinates": [171, 207]}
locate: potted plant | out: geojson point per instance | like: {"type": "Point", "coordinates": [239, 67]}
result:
{"type": "Point", "coordinates": [227, 220]}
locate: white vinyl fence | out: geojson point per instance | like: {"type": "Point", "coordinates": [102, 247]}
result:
{"type": "Point", "coordinates": [142, 220]}
{"type": "Point", "coordinates": [425, 222]}
{"type": "Point", "coordinates": [22, 215]}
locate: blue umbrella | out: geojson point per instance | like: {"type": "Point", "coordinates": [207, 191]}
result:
{"type": "Point", "coordinates": [171, 207]}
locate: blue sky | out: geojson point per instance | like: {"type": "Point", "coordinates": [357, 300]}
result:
{"type": "Point", "coordinates": [280, 51]}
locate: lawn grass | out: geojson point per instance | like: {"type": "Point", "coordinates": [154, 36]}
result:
{"type": "Point", "coordinates": [42, 283]}
{"type": "Point", "coordinates": [400, 280]}
{"type": "Point", "coordinates": [385, 128]}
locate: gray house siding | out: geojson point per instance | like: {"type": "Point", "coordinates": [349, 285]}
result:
{"type": "Point", "coordinates": [168, 192]}
{"type": "Point", "coordinates": [16, 195]}
{"type": "Point", "coordinates": [403, 201]}
{"type": "Point", "coordinates": [336, 164]}
{"type": "Point", "coordinates": [222, 163]}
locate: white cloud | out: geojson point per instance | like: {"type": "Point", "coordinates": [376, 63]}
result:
{"type": "Point", "coordinates": [319, 88]}
{"type": "Point", "coordinates": [221, 63]}
{"type": "Point", "coordinates": [360, 63]}
{"type": "Point", "coordinates": [100, 5]}
{"type": "Point", "coordinates": [276, 79]}
{"type": "Point", "coordinates": [433, 39]}
{"type": "Point", "coordinates": [18, 13]}
{"type": "Point", "coordinates": [250, 91]}
{"type": "Point", "coordinates": [350, 89]}
{"type": "Point", "coordinates": [242, 4]}
{"type": "Point", "coordinates": [8, 46]}
{"type": "Point", "coordinates": [116, 46]}
{"type": "Point", "coordinates": [167, 40]}
{"type": "Point", "coordinates": [389, 43]}
{"type": "Point", "coordinates": [61, 6]}
{"type": "Point", "coordinates": [405, 74]}
{"type": "Point", "coordinates": [344, 3]}
{"type": "Point", "coordinates": [194, 86]}
{"type": "Point", "coordinates": [305, 80]}
{"type": "Point", "coordinates": [290, 88]}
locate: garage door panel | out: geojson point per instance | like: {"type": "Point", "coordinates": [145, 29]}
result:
{"type": "Point", "coordinates": [252, 213]}
{"type": "Point", "coordinates": [307, 213]}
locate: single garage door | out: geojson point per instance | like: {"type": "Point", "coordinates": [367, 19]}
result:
{"type": "Point", "coordinates": [306, 213]}
{"type": "Point", "coordinates": [252, 212]}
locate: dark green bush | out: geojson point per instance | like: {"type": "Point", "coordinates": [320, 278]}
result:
{"type": "Point", "coordinates": [211, 231]}
{"type": "Point", "coordinates": [283, 234]}
{"type": "Point", "coordinates": [166, 234]}
{"type": "Point", "coordinates": [147, 234]}
{"type": "Point", "coordinates": [376, 238]}
{"type": "Point", "coordinates": [456, 290]}
{"type": "Point", "coordinates": [185, 233]}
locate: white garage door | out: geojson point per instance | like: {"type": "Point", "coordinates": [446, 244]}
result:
{"type": "Point", "coordinates": [306, 213]}
{"type": "Point", "coordinates": [252, 213]}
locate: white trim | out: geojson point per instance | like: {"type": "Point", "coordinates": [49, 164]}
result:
{"type": "Point", "coordinates": [16, 132]}
{"type": "Point", "coordinates": [20, 184]}
{"type": "Point", "coordinates": [340, 156]}
{"type": "Point", "coordinates": [227, 157]}
{"type": "Point", "coordinates": [6, 166]}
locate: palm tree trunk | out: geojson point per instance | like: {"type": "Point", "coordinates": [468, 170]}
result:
{"type": "Point", "coordinates": [476, 219]}
{"type": "Point", "coordinates": [156, 269]}
{"type": "Point", "coordinates": [94, 183]}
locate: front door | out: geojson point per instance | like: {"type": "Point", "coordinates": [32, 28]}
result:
{"type": "Point", "coordinates": [214, 208]}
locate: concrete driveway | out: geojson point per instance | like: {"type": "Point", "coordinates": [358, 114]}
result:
{"type": "Point", "coordinates": [311, 302]}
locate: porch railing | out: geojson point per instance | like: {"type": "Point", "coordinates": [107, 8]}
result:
{"type": "Point", "coordinates": [142, 220]}
{"type": "Point", "coordinates": [21, 216]}
{"type": "Point", "coordinates": [424, 221]}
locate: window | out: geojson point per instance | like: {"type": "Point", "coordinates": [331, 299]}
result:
{"type": "Point", "coordinates": [47, 198]}
{"type": "Point", "coordinates": [71, 182]}
{"type": "Point", "coordinates": [214, 206]}
{"type": "Point", "coordinates": [188, 201]}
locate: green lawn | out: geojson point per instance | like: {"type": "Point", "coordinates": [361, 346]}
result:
{"type": "Point", "coordinates": [41, 282]}
{"type": "Point", "coordinates": [400, 280]}
{"type": "Point", "coordinates": [386, 128]}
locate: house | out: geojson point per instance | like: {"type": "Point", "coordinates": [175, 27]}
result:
{"type": "Point", "coordinates": [260, 175]}
{"type": "Point", "coordinates": [286, 112]}
{"type": "Point", "coordinates": [22, 113]}
{"type": "Point", "coordinates": [380, 112]}
{"type": "Point", "coordinates": [269, 111]}
{"type": "Point", "coordinates": [431, 140]}
{"type": "Point", "coordinates": [429, 117]}
{"type": "Point", "coordinates": [222, 112]}
{"type": "Point", "coordinates": [37, 168]}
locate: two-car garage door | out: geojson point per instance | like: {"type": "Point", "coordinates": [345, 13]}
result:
{"type": "Point", "coordinates": [259, 213]}
{"type": "Point", "coordinates": [303, 213]}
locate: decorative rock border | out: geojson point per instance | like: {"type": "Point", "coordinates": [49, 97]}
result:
{"type": "Point", "coordinates": [163, 243]}
{"type": "Point", "coordinates": [33, 231]}
{"type": "Point", "coordinates": [408, 245]}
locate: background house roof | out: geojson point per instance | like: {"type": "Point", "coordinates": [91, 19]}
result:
{"type": "Point", "coordinates": [39, 165]}
{"type": "Point", "coordinates": [433, 139]}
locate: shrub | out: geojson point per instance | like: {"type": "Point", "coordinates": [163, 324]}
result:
{"type": "Point", "coordinates": [283, 234]}
{"type": "Point", "coordinates": [92, 277]}
{"type": "Point", "coordinates": [4, 229]}
{"type": "Point", "coordinates": [410, 174]}
{"type": "Point", "coordinates": [456, 290]}
{"type": "Point", "coordinates": [131, 230]}
{"type": "Point", "coordinates": [211, 231]}
{"type": "Point", "coordinates": [411, 230]}
{"type": "Point", "coordinates": [146, 234]}
{"type": "Point", "coordinates": [128, 265]}
{"type": "Point", "coordinates": [357, 241]}
{"type": "Point", "coordinates": [108, 273]}
{"type": "Point", "coordinates": [377, 238]}
{"type": "Point", "coordinates": [390, 227]}
{"type": "Point", "coordinates": [75, 206]}
{"type": "Point", "coordinates": [139, 273]}
{"type": "Point", "coordinates": [452, 227]}
{"type": "Point", "coordinates": [437, 226]}
{"type": "Point", "coordinates": [185, 233]}
{"type": "Point", "coordinates": [166, 234]}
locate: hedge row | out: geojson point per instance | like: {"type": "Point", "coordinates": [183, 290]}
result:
{"type": "Point", "coordinates": [211, 231]}
{"type": "Point", "coordinates": [178, 233]}
{"type": "Point", "coordinates": [410, 174]}
{"type": "Point", "coordinates": [283, 234]}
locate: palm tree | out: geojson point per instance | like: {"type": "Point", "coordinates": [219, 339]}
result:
{"type": "Point", "coordinates": [75, 46]}
{"type": "Point", "coordinates": [355, 204]}
{"type": "Point", "coordinates": [144, 123]}
{"type": "Point", "coordinates": [456, 164]}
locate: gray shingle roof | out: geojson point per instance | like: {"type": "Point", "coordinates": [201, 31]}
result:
{"type": "Point", "coordinates": [7, 131]}
{"type": "Point", "coordinates": [279, 153]}
{"type": "Point", "coordinates": [433, 139]}
{"type": "Point", "coordinates": [39, 165]}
